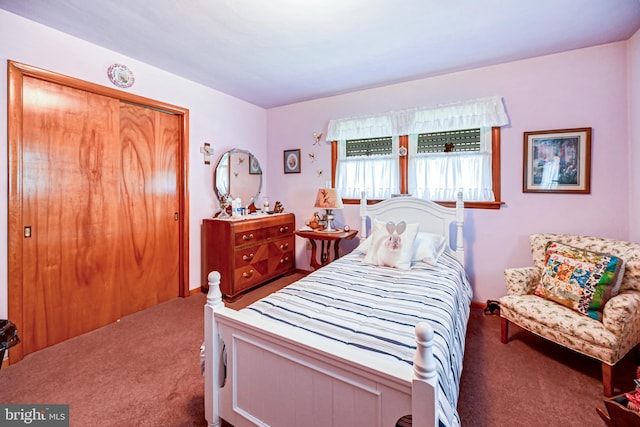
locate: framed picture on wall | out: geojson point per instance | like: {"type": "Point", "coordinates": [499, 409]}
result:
{"type": "Point", "coordinates": [292, 161]}
{"type": "Point", "coordinates": [254, 165]}
{"type": "Point", "coordinates": [557, 161]}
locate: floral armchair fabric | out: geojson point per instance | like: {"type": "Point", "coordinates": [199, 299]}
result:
{"type": "Point", "coordinates": [608, 340]}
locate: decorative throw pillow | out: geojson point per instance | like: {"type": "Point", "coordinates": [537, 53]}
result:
{"type": "Point", "coordinates": [391, 244]}
{"type": "Point", "coordinates": [579, 279]}
{"type": "Point", "coordinates": [428, 247]}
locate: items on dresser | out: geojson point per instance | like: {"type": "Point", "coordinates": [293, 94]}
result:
{"type": "Point", "coordinates": [247, 251]}
{"type": "Point", "coordinates": [225, 204]}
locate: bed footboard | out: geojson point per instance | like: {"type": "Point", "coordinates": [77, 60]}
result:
{"type": "Point", "coordinates": [259, 373]}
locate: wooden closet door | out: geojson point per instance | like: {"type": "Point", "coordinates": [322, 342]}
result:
{"type": "Point", "coordinates": [149, 245]}
{"type": "Point", "coordinates": [70, 190]}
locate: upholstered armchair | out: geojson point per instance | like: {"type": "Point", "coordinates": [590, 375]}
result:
{"type": "Point", "coordinates": [607, 339]}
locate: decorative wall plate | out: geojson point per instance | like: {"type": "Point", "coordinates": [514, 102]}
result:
{"type": "Point", "coordinates": [120, 75]}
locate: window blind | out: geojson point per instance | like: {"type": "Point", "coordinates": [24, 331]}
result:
{"type": "Point", "coordinates": [460, 140]}
{"type": "Point", "coordinates": [368, 147]}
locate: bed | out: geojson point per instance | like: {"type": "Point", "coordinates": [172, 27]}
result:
{"type": "Point", "coordinates": [351, 344]}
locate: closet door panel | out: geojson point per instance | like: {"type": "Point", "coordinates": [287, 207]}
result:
{"type": "Point", "coordinates": [167, 204]}
{"type": "Point", "coordinates": [149, 231]}
{"type": "Point", "coordinates": [70, 190]}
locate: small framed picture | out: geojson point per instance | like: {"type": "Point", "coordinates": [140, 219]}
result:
{"type": "Point", "coordinates": [557, 161]}
{"type": "Point", "coordinates": [254, 165]}
{"type": "Point", "coordinates": [292, 161]}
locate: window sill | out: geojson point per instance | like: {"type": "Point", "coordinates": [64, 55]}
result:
{"type": "Point", "coordinates": [445, 203]}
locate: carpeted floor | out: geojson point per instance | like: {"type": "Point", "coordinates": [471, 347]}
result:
{"type": "Point", "coordinates": [141, 371]}
{"type": "Point", "coordinates": [530, 381]}
{"type": "Point", "coordinates": [144, 371]}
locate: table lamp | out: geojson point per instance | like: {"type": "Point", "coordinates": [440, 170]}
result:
{"type": "Point", "coordinates": [329, 199]}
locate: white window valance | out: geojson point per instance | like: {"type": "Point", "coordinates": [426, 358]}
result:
{"type": "Point", "coordinates": [474, 113]}
{"type": "Point", "coordinates": [361, 127]}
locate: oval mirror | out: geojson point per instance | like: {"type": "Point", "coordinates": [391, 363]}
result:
{"type": "Point", "coordinates": [238, 174]}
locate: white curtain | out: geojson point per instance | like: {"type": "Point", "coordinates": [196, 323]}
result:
{"type": "Point", "coordinates": [469, 114]}
{"type": "Point", "coordinates": [375, 126]}
{"type": "Point", "coordinates": [378, 176]}
{"type": "Point", "coordinates": [438, 176]}
{"type": "Point", "coordinates": [441, 176]}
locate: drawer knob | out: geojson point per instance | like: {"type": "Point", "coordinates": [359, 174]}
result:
{"type": "Point", "coordinates": [247, 238]}
{"type": "Point", "coordinates": [284, 246]}
{"type": "Point", "coordinates": [283, 260]}
{"type": "Point", "coordinates": [247, 275]}
{"type": "Point", "coordinates": [284, 229]}
{"type": "Point", "coordinates": [247, 257]}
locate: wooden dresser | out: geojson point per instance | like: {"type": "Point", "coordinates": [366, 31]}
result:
{"type": "Point", "coordinates": [247, 252]}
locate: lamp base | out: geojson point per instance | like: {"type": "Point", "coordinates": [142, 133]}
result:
{"type": "Point", "coordinates": [330, 226]}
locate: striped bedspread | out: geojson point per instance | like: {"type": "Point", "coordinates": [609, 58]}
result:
{"type": "Point", "coordinates": [377, 308]}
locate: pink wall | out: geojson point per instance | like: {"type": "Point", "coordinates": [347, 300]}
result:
{"type": "Point", "coordinates": [219, 119]}
{"type": "Point", "coordinates": [634, 134]}
{"type": "Point", "coordinates": [580, 88]}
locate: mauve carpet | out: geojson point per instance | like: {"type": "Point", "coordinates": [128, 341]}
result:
{"type": "Point", "coordinates": [144, 371]}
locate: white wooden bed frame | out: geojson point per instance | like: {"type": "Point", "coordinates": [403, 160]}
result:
{"type": "Point", "coordinates": [279, 376]}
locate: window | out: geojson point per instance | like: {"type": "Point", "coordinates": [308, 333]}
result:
{"type": "Point", "coordinates": [442, 164]}
{"type": "Point", "coordinates": [370, 165]}
{"type": "Point", "coordinates": [428, 153]}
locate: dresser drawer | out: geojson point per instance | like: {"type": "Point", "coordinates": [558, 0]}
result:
{"type": "Point", "coordinates": [282, 254]}
{"type": "Point", "coordinates": [280, 230]}
{"type": "Point", "coordinates": [250, 236]}
{"type": "Point", "coordinates": [286, 244]}
{"type": "Point", "coordinates": [247, 256]}
{"type": "Point", "coordinates": [284, 262]}
{"type": "Point", "coordinates": [246, 277]}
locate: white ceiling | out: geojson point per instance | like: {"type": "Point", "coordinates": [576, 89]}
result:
{"type": "Point", "coordinates": [277, 52]}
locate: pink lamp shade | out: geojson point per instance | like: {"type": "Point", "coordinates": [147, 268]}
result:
{"type": "Point", "coordinates": [328, 198]}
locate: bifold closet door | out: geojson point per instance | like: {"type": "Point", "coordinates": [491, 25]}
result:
{"type": "Point", "coordinates": [70, 176]}
{"type": "Point", "coordinates": [149, 245]}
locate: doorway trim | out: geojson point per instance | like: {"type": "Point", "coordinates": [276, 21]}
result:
{"type": "Point", "coordinates": [16, 71]}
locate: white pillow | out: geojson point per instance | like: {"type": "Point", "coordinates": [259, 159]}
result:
{"type": "Point", "coordinates": [426, 248]}
{"type": "Point", "coordinates": [391, 244]}
{"type": "Point", "coordinates": [364, 246]}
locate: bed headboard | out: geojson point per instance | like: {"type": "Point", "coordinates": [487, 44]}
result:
{"type": "Point", "coordinates": [431, 217]}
